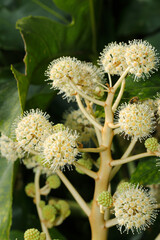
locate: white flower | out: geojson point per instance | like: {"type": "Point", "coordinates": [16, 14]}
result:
{"type": "Point", "coordinates": [134, 209]}
{"type": "Point", "coordinates": [77, 121]}
{"type": "Point", "coordinates": [136, 120]}
{"type": "Point", "coordinates": [32, 129]}
{"type": "Point", "coordinates": [113, 58]}
{"type": "Point", "coordinates": [142, 58]}
{"type": "Point", "coordinates": [9, 149]}
{"type": "Point", "coordinates": [60, 149]}
{"type": "Point", "coordinates": [66, 70]}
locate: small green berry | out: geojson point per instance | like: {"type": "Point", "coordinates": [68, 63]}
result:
{"type": "Point", "coordinates": [49, 213]}
{"type": "Point", "coordinates": [42, 236]}
{"type": "Point", "coordinates": [123, 187]}
{"type": "Point", "coordinates": [52, 202]}
{"type": "Point", "coordinates": [151, 144]}
{"type": "Point", "coordinates": [86, 163]}
{"type": "Point", "coordinates": [53, 181]}
{"type": "Point", "coordinates": [32, 234]}
{"type": "Point", "coordinates": [30, 189]}
{"type": "Point", "coordinates": [105, 199]}
{"type": "Point", "coordinates": [63, 206]}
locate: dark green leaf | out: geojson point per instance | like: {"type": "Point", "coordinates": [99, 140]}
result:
{"type": "Point", "coordinates": [23, 84]}
{"type": "Point", "coordinates": [14, 234]}
{"type": "Point", "coordinates": [147, 172]}
{"type": "Point", "coordinates": [6, 171]}
{"type": "Point", "coordinates": [56, 234]}
{"type": "Point", "coordinates": [9, 101]}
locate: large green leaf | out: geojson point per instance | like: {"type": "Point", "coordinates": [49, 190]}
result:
{"type": "Point", "coordinates": [139, 17]}
{"type": "Point", "coordinates": [9, 110]}
{"type": "Point", "coordinates": [6, 171]}
{"type": "Point", "coordinates": [9, 102]}
{"type": "Point", "coordinates": [9, 38]}
{"type": "Point", "coordinates": [147, 172]}
{"type": "Point", "coordinates": [142, 89]}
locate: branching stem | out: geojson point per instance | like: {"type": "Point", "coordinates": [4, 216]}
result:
{"type": "Point", "coordinates": [94, 150]}
{"type": "Point", "coordinates": [37, 198]}
{"type": "Point", "coordinates": [74, 193]}
{"type": "Point", "coordinates": [111, 222]}
{"type": "Point", "coordinates": [120, 94]}
{"type": "Point", "coordinates": [90, 173]}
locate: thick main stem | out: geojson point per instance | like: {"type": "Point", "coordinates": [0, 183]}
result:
{"type": "Point", "coordinates": [97, 222]}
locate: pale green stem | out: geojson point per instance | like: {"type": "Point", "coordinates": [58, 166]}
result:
{"type": "Point", "coordinates": [120, 94]}
{"type": "Point", "coordinates": [85, 96]}
{"type": "Point", "coordinates": [87, 115]}
{"type": "Point", "coordinates": [90, 173]}
{"type": "Point", "coordinates": [132, 158]}
{"type": "Point", "coordinates": [37, 198]}
{"type": "Point", "coordinates": [74, 193]}
{"type": "Point", "coordinates": [111, 125]}
{"type": "Point", "coordinates": [94, 150]}
{"type": "Point", "coordinates": [110, 80]}
{"type": "Point", "coordinates": [121, 79]}
{"type": "Point", "coordinates": [126, 154]}
{"type": "Point", "coordinates": [111, 223]}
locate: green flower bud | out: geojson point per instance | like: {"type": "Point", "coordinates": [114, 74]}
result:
{"type": "Point", "coordinates": [30, 190]}
{"type": "Point", "coordinates": [123, 187]}
{"type": "Point", "coordinates": [105, 199]}
{"type": "Point", "coordinates": [86, 163]}
{"type": "Point", "coordinates": [58, 127]}
{"type": "Point", "coordinates": [32, 234]}
{"type": "Point", "coordinates": [49, 213]}
{"type": "Point", "coordinates": [42, 236]}
{"type": "Point", "coordinates": [53, 181]}
{"type": "Point", "coordinates": [63, 206]}
{"type": "Point", "coordinates": [151, 144]}
{"type": "Point", "coordinates": [41, 204]}
{"type": "Point", "coordinates": [52, 202]}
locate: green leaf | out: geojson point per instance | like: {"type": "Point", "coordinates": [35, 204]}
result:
{"type": "Point", "coordinates": [9, 37]}
{"type": "Point", "coordinates": [146, 173]}
{"type": "Point", "coordinates": [23, 85]}
{"type": "Point", "coordinates": [142, 89]}
{"type": "Point", "coordinates": [139, 17]}
{"type": "Point", "coordinates": [9, 110]}
{"type": "Point", "coordinates": [56, 234]}
{"type": "Point", "coordinates": [6, 171]}
{"type": "Point", "coordinates": [9, 101]}
{"type": "Point", "coordinates": [15, 234]}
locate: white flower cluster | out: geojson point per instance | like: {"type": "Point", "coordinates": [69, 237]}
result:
{"type": "Point", "coordinates": [138, 56]}
{"type": "Point", "coordinates": [9, 149]}
{"type": "Point", "coordinates": [136, 120]}
{"type": "Point", "coordinates": [32, 129]}
{"type": "Point", "coordinates": [77, 121]}
{"type": "Point", "coordinates": [60, 149]}
{"type": "Point", "coordinates": [85, 76]}
{"type": "Point", "coordinates": [134, 209]}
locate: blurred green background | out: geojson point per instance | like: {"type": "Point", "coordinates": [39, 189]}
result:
{"type": "Point", "coordinates": [34, 32]}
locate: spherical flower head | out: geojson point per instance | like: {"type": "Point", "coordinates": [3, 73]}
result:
{"type": "Point", "coordinates": [123, 187]}
{"type": "Point", "coordinates": [76, 120]}
{"type": "Point", "coordinates": [41, 204]}
{"type": "Point", "coordinates": [105, 201]}
{"type": "Point", "coordinates": [32, 129]}
{"type": "Point", "coordinates": [53, 181]}
{"type": "Point", "coordinates": [157, 103]}
{"type": "Point", "coordinates": [60, 149]}
{"type": "Point", "coordinates": [49, 213]}
{"type": "Point", "coordinates": [30, 189]}
{"type": "Point", "coordinates": [151, 144]}
{"type": "Point", "coordinates": [136, 120]}
{"type": "Point", "coordinates": [151, 103]}
{"type": "Point", "coordinates": [9, 149]}
{"type": "Point", "coordinates": [32, 234]}
{"type": "Point", "coordinates": [62, 71]}
{"type": "Point", "coordinates": [142, 58]}
{"type": "Point", "coordinates": [112, 58]}
{"type": "Point", "coordinates": [87, 163]}
{"type": "Point", "coordinates": [64, 208]}
{"type": "Point", "coordinates": [134, 209]}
